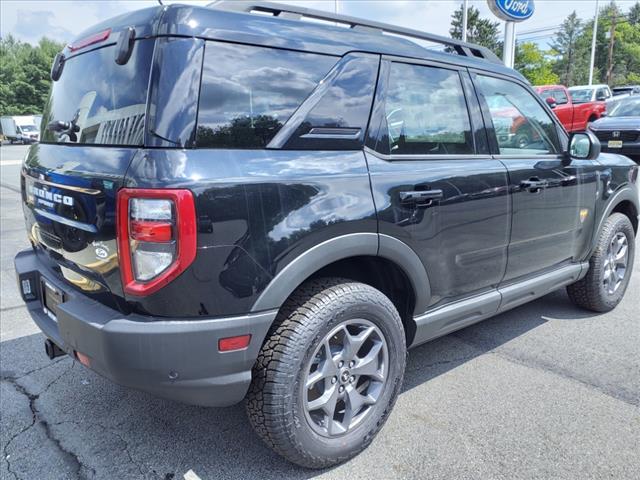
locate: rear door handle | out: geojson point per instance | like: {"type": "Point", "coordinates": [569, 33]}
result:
{"type": "Point", "coordinates": [534, 184]}
{"type": "Point", "coordinates": [420, 198]}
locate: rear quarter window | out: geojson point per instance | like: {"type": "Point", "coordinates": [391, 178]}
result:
{"type": "Point", "coordinates": [248, 92]}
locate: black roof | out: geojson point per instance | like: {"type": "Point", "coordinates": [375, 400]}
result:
{"type": "Point", "coordinates": [285, 32]}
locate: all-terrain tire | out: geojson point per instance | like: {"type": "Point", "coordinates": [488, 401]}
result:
{"type": "Point", "coordinates": [275, 403]}
{"type": "Point", "coordinates": [590, 292]}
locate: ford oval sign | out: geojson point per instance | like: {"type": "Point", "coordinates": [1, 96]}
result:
{"type": "Point", "coordinates": [512, 10]}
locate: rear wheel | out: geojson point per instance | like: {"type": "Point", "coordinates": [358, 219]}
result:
{"type": "Point", "coordinates": [329, 372]}
{"type": "Point", "coordinates": [610, 267]}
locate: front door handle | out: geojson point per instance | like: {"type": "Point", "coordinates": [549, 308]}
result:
{"type": "Point", "coordinates": [534, 184]}
{"type": "Point", "coordinates": [420, 198]}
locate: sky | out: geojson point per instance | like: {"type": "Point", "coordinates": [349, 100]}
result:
{"type": "Point", "coordinates": [62, 20]}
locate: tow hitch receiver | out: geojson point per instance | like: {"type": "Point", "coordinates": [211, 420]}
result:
{"type": "Point", "coordinates": [52, 350]}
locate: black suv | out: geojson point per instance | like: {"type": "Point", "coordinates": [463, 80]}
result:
{"type": "Point", "coordinates": [234, 203]}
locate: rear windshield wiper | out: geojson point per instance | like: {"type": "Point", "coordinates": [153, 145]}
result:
{"type": "Point", "coordinates": [62, 128]}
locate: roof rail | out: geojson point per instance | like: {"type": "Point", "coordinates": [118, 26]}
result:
{"type": "Point", "coordinates": [292, 12]}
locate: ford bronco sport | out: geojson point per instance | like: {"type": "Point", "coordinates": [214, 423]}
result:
{"type": "Point", "coordinates": [231, 202]}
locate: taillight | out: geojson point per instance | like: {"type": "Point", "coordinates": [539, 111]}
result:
{"type": "Point", "coordinates": [156, 237]}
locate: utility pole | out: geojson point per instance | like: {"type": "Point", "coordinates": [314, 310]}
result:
{"type": "Point", "coordinates": [612, 39]}
{"type": "Point", "coordinates": [593, 45]}
{"type": "Point", "coordinates": [464, 20]}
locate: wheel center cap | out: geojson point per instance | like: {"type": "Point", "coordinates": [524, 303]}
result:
{"type": "Point", "coordinates": [344, 376]}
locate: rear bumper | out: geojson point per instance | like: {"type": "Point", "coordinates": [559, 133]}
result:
{"type": "Point", "coordinates": [176, 359]}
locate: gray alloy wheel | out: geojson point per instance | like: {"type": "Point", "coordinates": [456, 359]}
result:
{"type": "Point", "coordinates": [610, 267]}
{"type": "Point", "coordinates": [345, 377]}
{"type": "Point", "coordinates": [615, 266]}
{"type": "Point", "coordinates": [328, 373]}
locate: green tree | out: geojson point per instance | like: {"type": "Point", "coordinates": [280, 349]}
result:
{"type": "Point", "coordinates": [534, 64]}
{"type": "Point", "coordinates": [479, 30]}
{"type": "Point", "coordinates": [566, 47]}
{"type": "Point", "coordinates": [24, 75]}
{"type": "Point", "coordinates": [626, 46]}
{"type": "Point", "coordinates": [634, 14]}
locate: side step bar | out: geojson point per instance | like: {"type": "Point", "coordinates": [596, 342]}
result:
{"type": "Point", "coordinates": [457, 315]}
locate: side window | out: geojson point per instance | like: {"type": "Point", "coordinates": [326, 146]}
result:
{"type": "Point", "coordinates": [560, 96]}
{"type": "Point", "coordinates": [521, 125]}
{"type": "Point", "coordinates": [248, 92]}
{"type": "Point", "coordinates": [602, 94]}
{"type": "Point", "coordinates": [426, 112]}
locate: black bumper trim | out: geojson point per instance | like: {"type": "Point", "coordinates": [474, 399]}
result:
{"type": "Point", "coordinates": [176, 359]}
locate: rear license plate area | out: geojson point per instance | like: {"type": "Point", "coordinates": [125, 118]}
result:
{"type": "Point", "coordinates": [51, 299]}
{"type": "Point", "coordinates": [614, 144]}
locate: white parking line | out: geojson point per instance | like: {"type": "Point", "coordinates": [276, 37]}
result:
{"type": "Point", "coordinates": [191, 475]}
{"type": "Point", "coordinates": [6, 163]}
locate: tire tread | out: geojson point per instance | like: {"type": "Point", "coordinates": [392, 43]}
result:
{"type": "Point", "coordinates": [278, 362]}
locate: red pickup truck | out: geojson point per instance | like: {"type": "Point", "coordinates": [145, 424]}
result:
{"type": "Point", "coordinates": [573, 115]}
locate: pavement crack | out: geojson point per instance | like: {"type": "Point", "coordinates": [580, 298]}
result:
{"type": "Point", "coordinates": [13, 307]}
{"type": "Point", "coordinates": [37, 418]}
{"type": "Point", "coordinates": [7, 375]}
{"type": "Point", "coordinates": [142, 467]}
{"type": "Point", "coordinates": [9, 187]}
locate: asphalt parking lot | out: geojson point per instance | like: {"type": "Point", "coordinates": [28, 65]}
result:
{"type": "Point", "coordinates": [546, 391]}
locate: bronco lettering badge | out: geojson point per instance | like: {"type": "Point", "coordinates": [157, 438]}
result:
{"type": "Point", "coordinates": [48, 196]}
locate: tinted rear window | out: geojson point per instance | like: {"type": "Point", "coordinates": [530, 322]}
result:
{"type": "Point", "coordinates": [248, 92]}
{"type": "Point", "coordinates": [105, 100]}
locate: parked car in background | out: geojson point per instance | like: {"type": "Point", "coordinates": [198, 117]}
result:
{"type": "Point", "coordinates": [590, 93]}
{"type": "Point", "coordinates": [574, 116]}
{"type": "Point", "coordinates": [620, 93]}
{"type": "Point", "coordinates": [619, 131]}
{"type": "Point", "coordinates": [626, 90]}
{"type": "Point", "coordinates": [593, 93]}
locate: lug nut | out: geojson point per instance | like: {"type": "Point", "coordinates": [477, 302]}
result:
{"type": "Point", "coordinates": [341, 389]}
{"type": "Point", "coordinates": [352, 379]}
{"type": "Point", "coordinates": [334, 379]}
{"type": "Point", "coordinates": [352, 363]}
{"type": "Point", "coordinates": [340, 364]}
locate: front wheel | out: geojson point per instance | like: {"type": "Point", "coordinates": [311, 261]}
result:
{"type": "Point", "coordinates": [610, 267]}
{"type": "Point", "coordinates": [329, 372]}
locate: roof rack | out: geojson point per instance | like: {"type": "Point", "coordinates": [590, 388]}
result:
{"type": "Point", "coordinates": [292, 12]}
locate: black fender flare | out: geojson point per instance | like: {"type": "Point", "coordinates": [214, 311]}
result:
{"type": "Point", "coordinates": [339, 248]}
{"type": "Point", "coordinates": [627, 193]}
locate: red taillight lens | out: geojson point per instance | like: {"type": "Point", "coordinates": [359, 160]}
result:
{"type": "Point", "coordinates": [156, 237]}
{"type": "Point", "coordinates": [90, 40]}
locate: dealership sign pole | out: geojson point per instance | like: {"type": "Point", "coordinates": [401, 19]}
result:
{"type": "Point", "coordinates": [465, 6]}
{"type": "Point", "coordinates": [512, 12]}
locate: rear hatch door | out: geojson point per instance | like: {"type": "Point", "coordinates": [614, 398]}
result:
{"type": "Point", "coordinates": [92, 127]}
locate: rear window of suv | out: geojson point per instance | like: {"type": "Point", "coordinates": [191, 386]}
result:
{"type": "Point", "coordinates": [248, 92]}
{"type": "Point", "coordinates": [105, 101]}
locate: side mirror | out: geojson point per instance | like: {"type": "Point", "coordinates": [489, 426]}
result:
{"type": "Point", "coordinates": [551, 102]}
{"type": "Point", "coordinates": [583, 146]}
